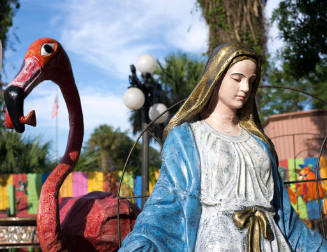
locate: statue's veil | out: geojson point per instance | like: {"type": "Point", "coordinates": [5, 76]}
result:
{"type": "Point", "coordinates": [218, 63]}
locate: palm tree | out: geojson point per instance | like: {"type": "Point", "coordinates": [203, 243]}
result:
{"type": "Point", "coordinates": [107, 150]}
{"type": "Point", "coordinates": [178, 75]}
{"type": "Point", "coordinates": [23, 156]}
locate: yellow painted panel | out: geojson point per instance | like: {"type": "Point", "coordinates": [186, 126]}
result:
{"type": "Point", "coordinates": [324, 205]}
{"type": "Point", "coordinates": [66, 190]}
{"type": "Point", "coordinates": [323, 173]}
{"type": "Point", "coordinates": [5, 180]}
{"type": "Point", "coordinates": [94, 181]}
{"type": "Point", "coordinates": [153, 183]}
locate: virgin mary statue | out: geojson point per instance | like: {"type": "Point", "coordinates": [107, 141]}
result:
{"type": "Point", "coordinates": [219, 187]}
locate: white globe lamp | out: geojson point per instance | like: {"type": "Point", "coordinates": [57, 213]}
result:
{"type": "Point", "coordinates": [146, 64]}
{"type": "Point", "coordinates": [134, 98]}
{"type": "Point", "coordinates": [156, 110]}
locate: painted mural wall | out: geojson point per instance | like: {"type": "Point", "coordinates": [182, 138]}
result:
{"type": "Point", "coordinates": [27, 188]}
{"type": "Point", "coordinates": [304, 196]}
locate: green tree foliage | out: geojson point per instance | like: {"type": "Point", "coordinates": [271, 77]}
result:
{"type": "Point", "coordinates": [302, 26]}
{"type": "Point", "coordinates": [7, 12]}
{"type": "Point", "coordinates": [276, 101]}
{"type": "Point", "coordinates": [177, 75]}
{"type": "Point", "coordinates": [18, 156]}
{"type": "Point", "coordinates": [107, 150]}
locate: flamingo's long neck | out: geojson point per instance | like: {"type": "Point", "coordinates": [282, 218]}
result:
{"type": "Point", "coordinates": [48, 212]}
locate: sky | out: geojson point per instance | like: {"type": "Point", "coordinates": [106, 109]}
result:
{"type": "Point", "coordinates": [102, 39]}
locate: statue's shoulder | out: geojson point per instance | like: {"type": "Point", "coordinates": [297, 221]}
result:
{"type": "Point", "coordinates": [181, 130]}
{"type": "Point", "coordinates": [181, 138]}
{"type": "Point", "coordinates": [180, 135]}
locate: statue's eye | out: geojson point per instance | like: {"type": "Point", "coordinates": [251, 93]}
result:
{"type": "Point", "coordinates": [47, 49]}
{"type": "Point", "coordinates": [236, 79]}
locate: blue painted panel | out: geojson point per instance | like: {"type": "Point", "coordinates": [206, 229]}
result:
{"type": "Point", "coordinates": [138, 190]}
{"type": "Point", "coordinates": [311, 161]}
{"type": "Point", "coordinates": [313, 209]}
{"type": "Point", "coordinates": [45, 176]}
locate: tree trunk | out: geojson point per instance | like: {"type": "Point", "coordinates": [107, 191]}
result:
{"type": "Point", "coordinates": [235, 20]}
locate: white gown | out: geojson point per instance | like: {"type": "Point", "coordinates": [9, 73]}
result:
{"type": "Point", "coordinates": [235, 174]}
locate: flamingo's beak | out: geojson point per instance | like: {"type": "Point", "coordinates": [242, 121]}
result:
{"type": "Point", "coordinates": [27, 78]}
{"type": "Point", "coordinates": [14, 99]}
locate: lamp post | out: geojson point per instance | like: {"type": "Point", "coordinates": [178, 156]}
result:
{"type": "Point", "coordinates": [141, 95]}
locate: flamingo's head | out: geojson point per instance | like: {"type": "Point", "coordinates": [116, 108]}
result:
{"type": "Point", "coordinates": [41, 62]}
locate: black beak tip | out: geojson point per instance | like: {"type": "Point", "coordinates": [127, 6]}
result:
{"type": "Point", "coordinates": [14, 99]}
{"type": "Point", "coordinates": [20, 128]}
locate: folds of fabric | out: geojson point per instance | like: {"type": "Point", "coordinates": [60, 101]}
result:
{"type": "Point", "coordinates": [170, 219]}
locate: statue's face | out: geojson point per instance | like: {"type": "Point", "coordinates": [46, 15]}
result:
{"type": "Point", "coordinates": [236, 85]}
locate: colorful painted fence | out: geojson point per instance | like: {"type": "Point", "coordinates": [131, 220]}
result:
{"type": "Point", "coordinates": [28, 188]}
{"type": "Point", "coordinates": [304, 196]}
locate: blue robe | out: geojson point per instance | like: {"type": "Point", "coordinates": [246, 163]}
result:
{"type": "Point", "coordinates": [170, 218]}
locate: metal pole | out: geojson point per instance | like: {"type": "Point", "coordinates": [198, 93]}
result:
{"type": "Point", "coordinates": [145, 157]}
{"type": "Point", "coordinates": [57, 101]}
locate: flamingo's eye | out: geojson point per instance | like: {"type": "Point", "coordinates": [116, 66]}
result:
{"type": "Point", "coordinates": [47, 49]}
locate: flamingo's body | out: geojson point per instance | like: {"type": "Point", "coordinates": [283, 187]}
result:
{"type": "Point", "coordinates": [94, 214]}
{"type": "Point", "coordinates": [87, 223]}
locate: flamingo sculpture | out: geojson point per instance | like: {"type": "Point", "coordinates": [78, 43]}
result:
{"type": "Point", "coordinates": [87, 223]}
